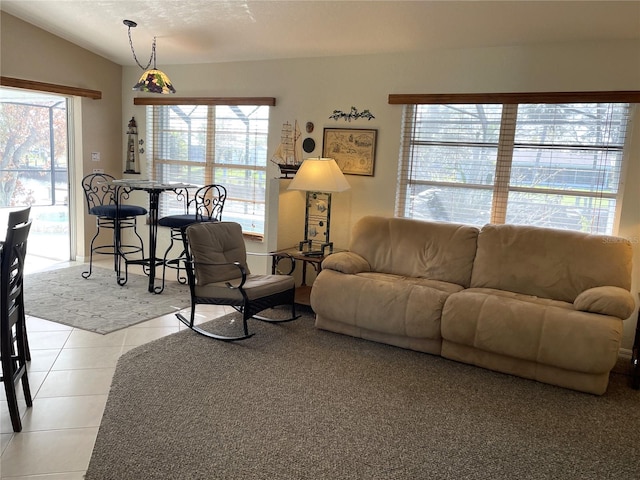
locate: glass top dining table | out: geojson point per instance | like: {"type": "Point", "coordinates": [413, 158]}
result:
{"type": "Point", "coordinates": [154, 190]}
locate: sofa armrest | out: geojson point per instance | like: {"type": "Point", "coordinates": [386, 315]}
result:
{"type": "Point", "coordinates": [614, 301]}
{"type": "Point", "coordinates": [346, 262]}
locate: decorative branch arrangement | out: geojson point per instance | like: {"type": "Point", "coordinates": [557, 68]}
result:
{"type": "Point", "coordinates": [352, 115]}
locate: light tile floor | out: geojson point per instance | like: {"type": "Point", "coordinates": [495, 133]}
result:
{"type": "Point", "coordinates": [70, 374]}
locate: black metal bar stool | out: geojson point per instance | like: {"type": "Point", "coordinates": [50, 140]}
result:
{"type": "Point", "coordinates": [203, 205]}
{"type": "Point", "coordinates": [102, 202]}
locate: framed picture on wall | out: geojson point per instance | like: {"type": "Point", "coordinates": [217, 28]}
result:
{"type": "Point", "coordinates": [353, 149]}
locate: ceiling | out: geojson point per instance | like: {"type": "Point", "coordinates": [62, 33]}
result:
{"type": "Point", "coordinates": [211, 31]}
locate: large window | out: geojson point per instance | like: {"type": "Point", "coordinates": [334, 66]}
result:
{"type": "Point", "coordinates": [224, 144]}
{"type": "Point", "coordinates": [547, 164]}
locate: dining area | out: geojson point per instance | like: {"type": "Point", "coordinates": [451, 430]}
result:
{"type": "Point", "coordinates": [169, 205]}
{"type": "Point", "coordinates": [139, 227]}
{"type": "Point", "coordinates": [137, 262]}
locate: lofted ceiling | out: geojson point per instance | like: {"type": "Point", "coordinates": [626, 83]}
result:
{"type": "Point", "coordinates": [211, 31]}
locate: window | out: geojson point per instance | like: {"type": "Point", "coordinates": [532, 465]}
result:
{"type": "Point", "coordinates": [547, 164]}
{"type": "Point", "coordinates": [224, 144]}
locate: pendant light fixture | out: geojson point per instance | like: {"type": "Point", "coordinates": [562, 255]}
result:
{"type": "Point", "coordinates": [152, 80]}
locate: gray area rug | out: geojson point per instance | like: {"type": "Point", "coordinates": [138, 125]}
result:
{"type": "Point", "coordinates": [295, 402]}
{"type": "Point", "coordinates": [98, 304]}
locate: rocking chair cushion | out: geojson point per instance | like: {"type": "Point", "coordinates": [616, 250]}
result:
{"type": "Point", "coordinates": [256, 286]}
{"type": "Point", "coordinates": [211, 248]}
{"type": "Point", "coordinates": [111, 211]}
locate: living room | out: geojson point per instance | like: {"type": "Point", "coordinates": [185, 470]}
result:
{"type": "Point", "coordinates": [310, 89]}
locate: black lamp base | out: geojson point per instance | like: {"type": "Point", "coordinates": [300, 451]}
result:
{"type": "Point", "coordinates": [306, 247]}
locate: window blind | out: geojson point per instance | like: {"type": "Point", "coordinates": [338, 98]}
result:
{"type": "Point", "coordinates": [553, 165]}
{"type": "Point", "coordinates": [224, 144]}
{"type": "Point", "coordinates": [449, 162]}
{"type": "Point", "coordinates": [567, 160]}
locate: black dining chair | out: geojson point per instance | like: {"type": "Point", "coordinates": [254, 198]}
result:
{"type": "Point", "coordinates": [18, 217]}
{"type": "Point", "coordinates": [101, 195]}
{"type": "Point", "coordinates": [202, 205]}
{"type": "Point", "coordinates": [13, 348]}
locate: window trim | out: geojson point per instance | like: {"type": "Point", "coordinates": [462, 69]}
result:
{"type": "Point", "coordinates": [50, 88]}
{"type": "Point", "coordinates": [234, 101]}
{"type": "Point", "coordinates": [611, 96]}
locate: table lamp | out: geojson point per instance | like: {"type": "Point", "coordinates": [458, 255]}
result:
{"type": "Point", "coordinates": [319, 177]}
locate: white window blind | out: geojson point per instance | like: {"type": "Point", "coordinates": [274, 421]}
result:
{"type": "Point", "coordinates": [552, 165]}
{"type": "Point", "coordinates": [203, 144]}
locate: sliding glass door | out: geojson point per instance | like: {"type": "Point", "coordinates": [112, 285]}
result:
{"type": "Point", "coordinates": [34, 160]}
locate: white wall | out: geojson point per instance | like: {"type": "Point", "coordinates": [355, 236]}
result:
{"type": "Point", "coordinates": [29, 53]}
{"type": "Point", "coordinates": [310, 89]}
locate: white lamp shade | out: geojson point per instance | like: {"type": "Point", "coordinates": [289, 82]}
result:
{"type": "Point", "coordinates": [319, 175]}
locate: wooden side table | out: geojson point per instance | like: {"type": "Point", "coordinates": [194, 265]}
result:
{"type": "Point", "coordinates": [303, 291]}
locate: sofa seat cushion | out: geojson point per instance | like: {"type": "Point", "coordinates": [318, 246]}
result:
{"type": "Point", "coordinates": [524, 298]}
{"type": "Point", "coordinates": [403, 281]}
{"type": "Point", "coordinates": [386, 303]}
{"type": "Point", "coordinates": [537, 330]}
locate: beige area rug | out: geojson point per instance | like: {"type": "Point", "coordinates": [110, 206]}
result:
{"type": "Point", "coordinates": [98, 304]}
{"type": "Point", "coordinates": [294, 402]}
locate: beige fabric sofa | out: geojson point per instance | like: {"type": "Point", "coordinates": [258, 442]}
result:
{"type": "Point", "coordinates": [539, 303]}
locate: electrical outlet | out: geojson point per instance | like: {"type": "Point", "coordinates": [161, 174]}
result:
{"type": "Point", "coordinates": [95, 156]}
{"type": "Point", "coordinates": [98, 170]}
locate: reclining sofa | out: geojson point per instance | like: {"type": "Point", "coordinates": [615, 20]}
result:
{"type": "Point", "coordinates": [539, 303]}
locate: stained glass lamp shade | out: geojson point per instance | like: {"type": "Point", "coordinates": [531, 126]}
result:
{"type": "Point", "coordinates": [154, 81]}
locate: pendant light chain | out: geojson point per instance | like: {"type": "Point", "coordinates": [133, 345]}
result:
{"type": "Point", "coordinates": [151, 58]}
{"type": "Point", "coordinates": [152, 80]}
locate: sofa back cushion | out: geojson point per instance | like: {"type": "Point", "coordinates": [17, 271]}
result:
{"type": "Point", "coordinates": [549, 263]}
{"type": "Point", "coordinates": [414, 248]}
